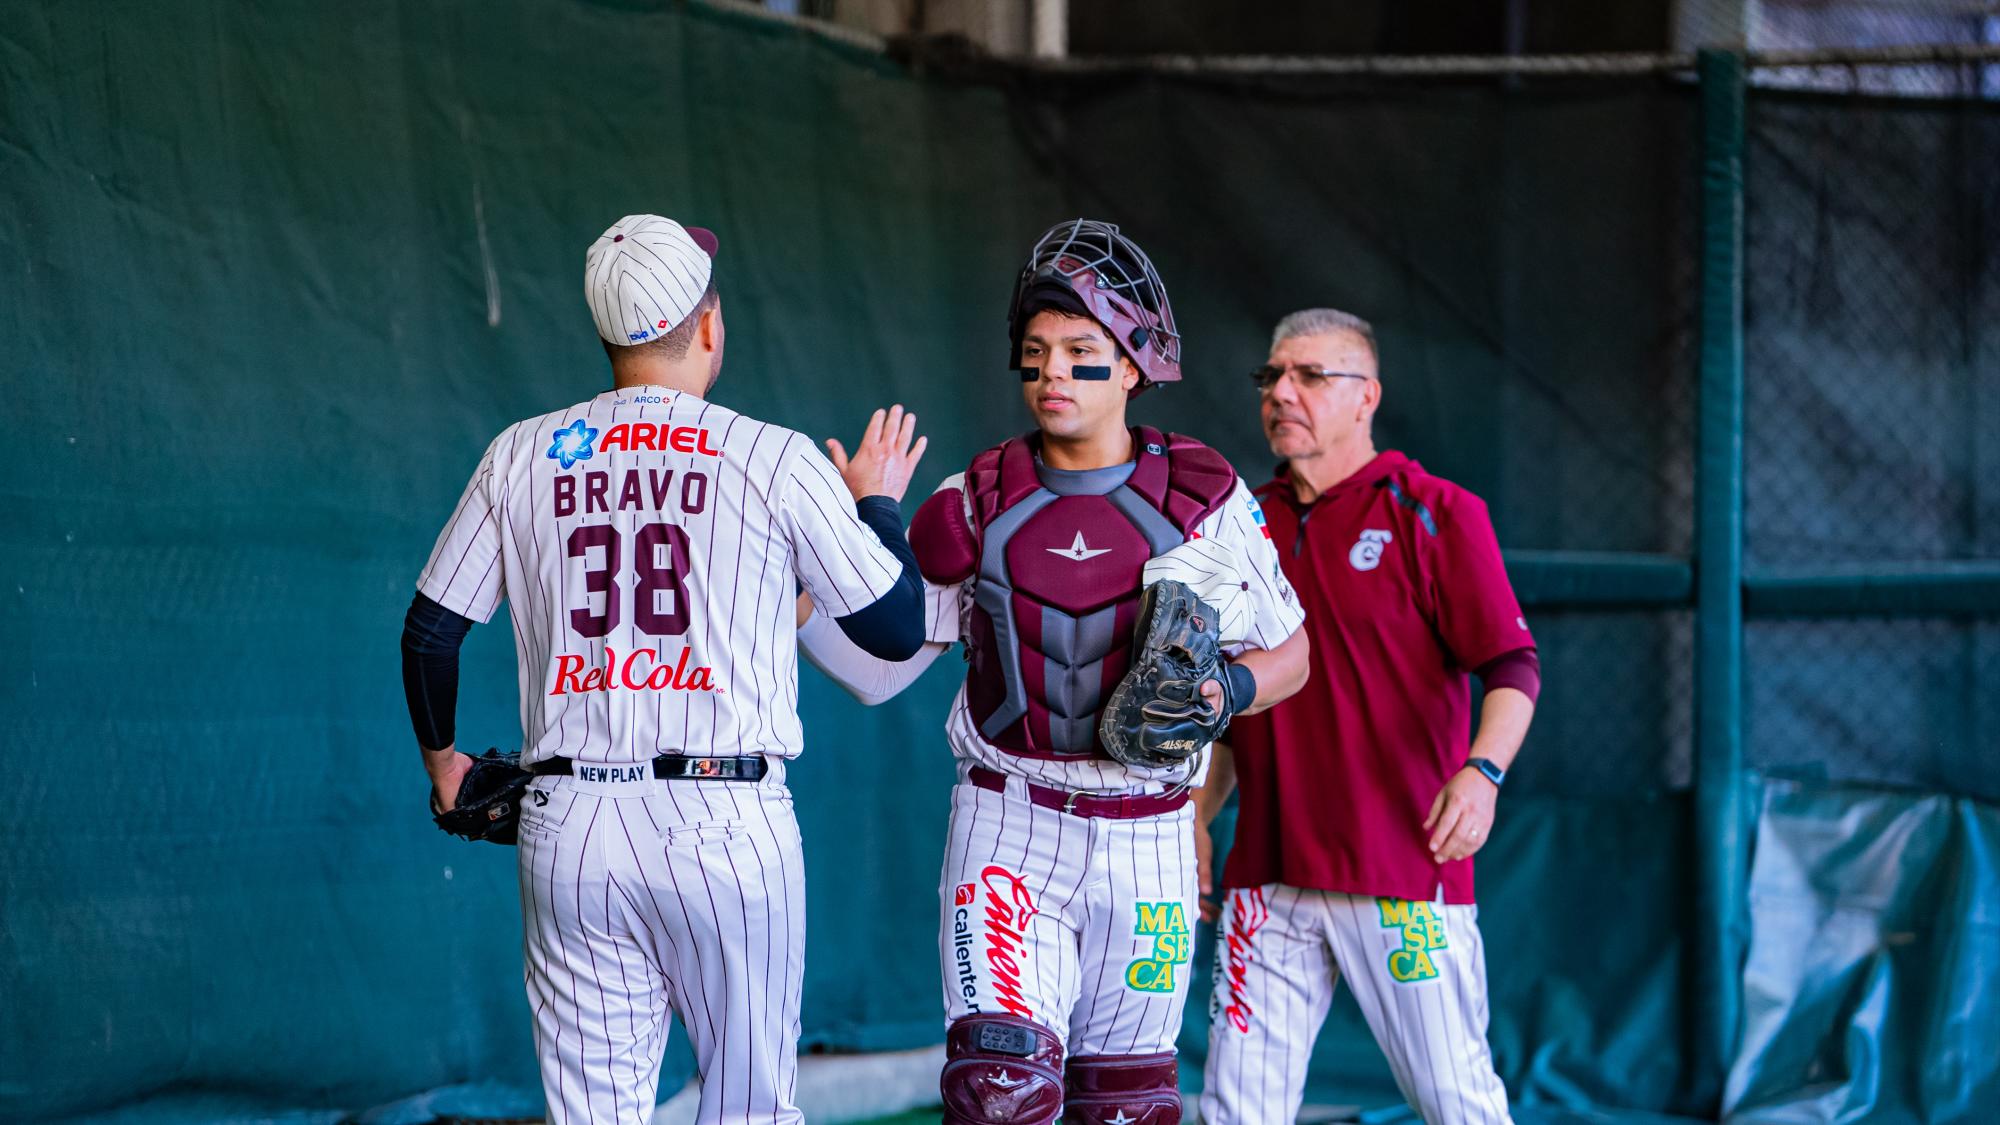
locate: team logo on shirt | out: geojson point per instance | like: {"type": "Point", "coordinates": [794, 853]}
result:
{"type": "Point", "coordinates": [1166, 923]}
{"type": "Point", "coordinates": [1422, 933]}
{"type": "Point", "coordinates": [1366, 554]}
{"type": "Point", "coordinates": [1284, 587]}
{"type": "Point", "coordinates": [573, 443]}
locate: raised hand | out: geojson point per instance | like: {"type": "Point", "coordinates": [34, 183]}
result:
{"type": "Point", "coordinates": [885, 458]}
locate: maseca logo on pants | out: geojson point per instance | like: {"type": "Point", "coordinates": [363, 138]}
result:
{"type": "Point", "coordinates": [1166, 924]}
{"type": "Point", "coordinates": [997, 937]}
{"type": "Point", "coordinates": [1420, 926]}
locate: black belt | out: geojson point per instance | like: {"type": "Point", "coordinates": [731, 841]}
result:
{"type": "Point", "coordinates": [665, 767]}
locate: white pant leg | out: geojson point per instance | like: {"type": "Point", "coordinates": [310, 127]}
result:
{"type": "Point", "coordinates": [724, 876]}
{"type": "Point", "coordinates": [1418, 971]}
{"type": "Point", "coordinates": [1011, 879]}
{"type": "Point", "coordinates": [1274, 981]}
{"type": "Point", "coordinates": [1138, 913]}
{"type": "Point", "coordinates": [600, 1009]}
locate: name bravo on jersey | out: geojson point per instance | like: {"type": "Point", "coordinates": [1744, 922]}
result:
{"type": "Point", "coordinates": [639, 490]}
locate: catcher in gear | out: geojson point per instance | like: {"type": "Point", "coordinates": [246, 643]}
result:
{"type": "Point", "coordinates": [1118, 600]}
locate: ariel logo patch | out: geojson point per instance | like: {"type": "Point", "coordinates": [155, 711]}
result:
{"type": "Point", "coordinates": [1166, 924]}
{"type": "Point", "coordinates": [572, 444]}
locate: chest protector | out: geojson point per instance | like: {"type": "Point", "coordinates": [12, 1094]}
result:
{"type": "Point", "coordinates": [1055, 559]}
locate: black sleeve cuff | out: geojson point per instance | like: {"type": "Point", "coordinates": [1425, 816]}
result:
{"type": "Point", "coordinates": [1241, 685]}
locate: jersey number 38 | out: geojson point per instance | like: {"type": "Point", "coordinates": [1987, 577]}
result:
{"type": "Point", "coordinates": [660, 552]}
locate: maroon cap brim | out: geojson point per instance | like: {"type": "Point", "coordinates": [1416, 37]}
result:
{"type": "Point", "coordinates": [704, 238]}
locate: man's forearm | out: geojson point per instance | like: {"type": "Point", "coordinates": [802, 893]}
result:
{"type": "Point", "coordinates": [1214, 793]}
{"type": "Point", "coordinates": [1503, 725]}
{"type": "Point", "coordinates": [1280, 672]}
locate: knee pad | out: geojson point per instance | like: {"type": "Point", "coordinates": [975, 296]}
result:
{"type": "Point", "coordinates": [1127, 1089]}
{"type": "Point", "coordinates": [1001, 1070]}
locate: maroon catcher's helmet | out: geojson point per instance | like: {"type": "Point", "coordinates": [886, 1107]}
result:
{"type": "Point", "coordinates": [1086, 267]}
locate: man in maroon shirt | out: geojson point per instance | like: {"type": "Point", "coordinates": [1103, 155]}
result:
{"type": "Point", "coordinates": [1362, 803]}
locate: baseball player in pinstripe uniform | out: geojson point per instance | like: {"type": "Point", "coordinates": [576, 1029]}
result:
{"type": "Point", "coordinates": [1068, 890]}
{"type": "Point", "coordinates": [1362, 803]}
{"type": "Point", "coordinates": [649, 543]}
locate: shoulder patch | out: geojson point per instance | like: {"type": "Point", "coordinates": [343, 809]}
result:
{"type": "Point", "coordinates": [1250, 501]}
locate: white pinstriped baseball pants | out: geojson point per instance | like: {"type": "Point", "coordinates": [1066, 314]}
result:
{"type": "Point", "coordinates": [1083, 925]}
{"type": "Point", "coordinates": [1418, 971]}
{"type": "Point", "coordinates": [651, 896]}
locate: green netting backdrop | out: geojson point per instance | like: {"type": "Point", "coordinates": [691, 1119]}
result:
{"type": "Point", "coordinates": [273, 275]}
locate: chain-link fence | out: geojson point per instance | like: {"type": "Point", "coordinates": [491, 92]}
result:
{"type": "Point", "coordinates": [1872, 360]}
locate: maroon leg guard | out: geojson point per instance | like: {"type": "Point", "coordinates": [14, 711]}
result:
{"type": "Point", "coordinates": [1001, 1070]}
{"type": "Point", "coordinates": [1123, 1090]}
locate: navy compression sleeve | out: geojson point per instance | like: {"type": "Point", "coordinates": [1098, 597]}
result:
{"type": "Point", "coordinates": [431, 636]}
{"type": "Point", "coordinates": [892, 626]}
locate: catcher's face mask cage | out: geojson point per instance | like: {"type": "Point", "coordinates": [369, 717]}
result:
{"type": "Point", "coordinates": [1112, 278]}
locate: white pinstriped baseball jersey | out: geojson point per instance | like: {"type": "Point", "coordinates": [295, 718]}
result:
{"type": "Point", "coordinates": [1275, 614]}
{"type": "Point", "coordinates": [648, 543]}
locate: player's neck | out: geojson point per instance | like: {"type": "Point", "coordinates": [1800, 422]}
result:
{"type": "Point", "coordinates": [1088, 451]}
{"type": "Point", "coordinates": [1312, 476]}
{"type": "Point", "coordinates": [685, 378]}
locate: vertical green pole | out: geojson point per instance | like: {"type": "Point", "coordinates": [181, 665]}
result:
{"type": "Point", "coordinates": [1721, 825]}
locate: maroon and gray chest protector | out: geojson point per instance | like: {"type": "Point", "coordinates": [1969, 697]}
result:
{"type": "Point", "coordinates": [1055, 558]}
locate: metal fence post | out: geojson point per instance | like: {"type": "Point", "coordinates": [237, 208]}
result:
{"type": "Point", "coordinates": [1721, 827]}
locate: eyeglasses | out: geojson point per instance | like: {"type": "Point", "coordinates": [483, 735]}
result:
{"type": "Point", "coordinates": [1311, 377]}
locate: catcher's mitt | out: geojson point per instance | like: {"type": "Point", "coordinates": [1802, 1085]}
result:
{"type": "Point", "coordinates": [1156, 715]}
{"type": "Point", "coordinates": [489, 800]}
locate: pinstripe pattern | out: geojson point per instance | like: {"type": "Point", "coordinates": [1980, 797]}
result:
{"type": "Point", "coordinates": [1274, 983]}
{"type": "Point", "coordinates": [649, 898]}
{"type": "Point", "coordinates": [642, 277]}
{"type": "Point", "coordinates": [774, 511]}
{"type": "Point", "coordinates": [1085, 879]}
{"type": "Point", "coordinates": [674, 896]}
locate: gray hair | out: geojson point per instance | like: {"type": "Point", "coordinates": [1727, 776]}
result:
{"type": "Point", "coordinates": [1321, 322]}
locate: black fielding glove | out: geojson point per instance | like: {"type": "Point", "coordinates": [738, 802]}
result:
{"type": "Point", "coordinates": [489, 800]}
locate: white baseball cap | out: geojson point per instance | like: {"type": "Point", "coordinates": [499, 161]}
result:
{"type": "Point", "coordinates": [645, 275]}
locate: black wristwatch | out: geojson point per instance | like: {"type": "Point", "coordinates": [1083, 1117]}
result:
{"type": "Point", "coordinates": [1493, 773]}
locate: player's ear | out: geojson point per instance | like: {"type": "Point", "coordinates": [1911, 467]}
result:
{"type": "Point", "coordinates": [1371, 399]}
{"type": "Point", "coordinates": [1128, 374]}
{"type": "Point", "coordinates": [709, 327]}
